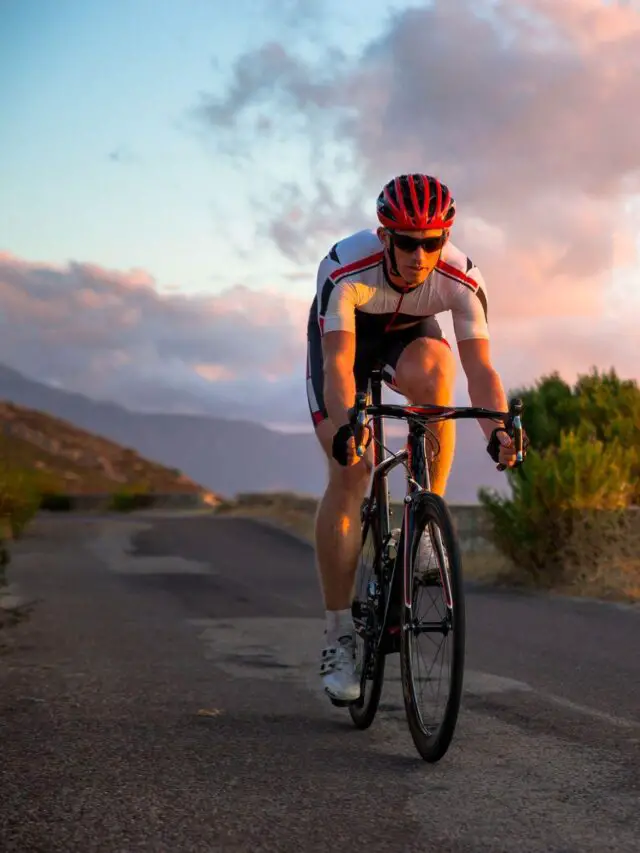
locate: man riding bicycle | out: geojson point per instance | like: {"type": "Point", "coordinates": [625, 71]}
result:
{"type": "Point", "coordinates": [378, 294]}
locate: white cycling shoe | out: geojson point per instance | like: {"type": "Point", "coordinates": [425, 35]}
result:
{"type": "Point", "coordinates": [338, 671]}
{"type": "Point", "coordinates": [428, 567]}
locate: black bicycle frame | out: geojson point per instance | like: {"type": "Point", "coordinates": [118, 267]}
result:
{"type": "Point", "coordinates": [414, 457]}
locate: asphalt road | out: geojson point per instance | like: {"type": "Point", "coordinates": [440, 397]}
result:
{"type": "Point", "coordinates": [163, 696]}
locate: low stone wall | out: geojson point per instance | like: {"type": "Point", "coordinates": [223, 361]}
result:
{"type": "Point", "coordinates": [472, 523]}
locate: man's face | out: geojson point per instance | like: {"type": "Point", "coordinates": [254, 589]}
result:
{"type": "Point", "coordinates": [415, 261]}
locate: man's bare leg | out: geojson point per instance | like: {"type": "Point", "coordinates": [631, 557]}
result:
{"type": "Point", "coordinates": [337, 529]}
{"type": "Point", "coordinates": [425, 373]}
{"type": "Point", "coordinates": [445, 433]}
{"type": "Point", "coordinates": [337, 540]}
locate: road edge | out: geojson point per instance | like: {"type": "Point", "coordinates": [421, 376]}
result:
{"type": "Point", "coordinates": [473, 585]}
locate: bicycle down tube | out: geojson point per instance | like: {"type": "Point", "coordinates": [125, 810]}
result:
{"type": "Point", "coordinates": [414, 456]}
{"type": "Point", "coordinates": [392, 620]}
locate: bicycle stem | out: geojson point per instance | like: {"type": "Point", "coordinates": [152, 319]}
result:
{"type": "Point", "coordinates": [515, 420]}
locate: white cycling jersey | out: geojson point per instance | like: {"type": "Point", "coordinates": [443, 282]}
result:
{"type": "Point", "coordinates": [352, 289]}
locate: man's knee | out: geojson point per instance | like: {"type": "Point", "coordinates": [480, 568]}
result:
{"type": "Point", "coordinates": [352, 479]}
{"type": "Point", "coordinates": [426, 372]}
{"type": "Point", "coordinates": [441, 378]}
{"type": "Point", "coordinates": [440, 366]}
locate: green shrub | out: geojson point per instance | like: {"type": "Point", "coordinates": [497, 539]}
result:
{"type": "Point", "coordinates": [19, 498]}
{"type": "Point", "coordinates": [128, 501]}
{"type": "Point", "coordinates": [566, 518]}
{"type": "Point", "coordinates": [56, 502]}
{"type": "Point", "coordinates": [567, 513]}
{"type": "Point", "coordinates": [600, 406]}
{"type": "Point", "coordinates": [4, 562]}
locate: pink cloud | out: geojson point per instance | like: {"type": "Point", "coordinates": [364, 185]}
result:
{"type": "Point", "coordinates": [591, 23]}
{"type": "Point", "coordinates": [240, 348]}
{"type": "Point", "coordinates": [527, 110]}
{"type": "Point", "coordinates": [527, 349]}
{"type": "Point", "coordinates": [214, 372]}
{"type": "Point", "coordinates": [524, 108]}
{"type": "Point", "coordinates": [113, 334]}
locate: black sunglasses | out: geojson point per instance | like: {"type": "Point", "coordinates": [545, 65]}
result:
{"type": "Point", "coordinates": [410, 244]}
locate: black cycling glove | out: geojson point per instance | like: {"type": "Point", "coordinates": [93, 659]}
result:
{"type": "Point", "coordinates": [493, 447]}
{"type": "Point", "coordinates": [340, 441]}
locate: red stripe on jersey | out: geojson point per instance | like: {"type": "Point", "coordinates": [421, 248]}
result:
{"type": "Point", "coordinates": [454, 272]}
{"type": "Point", "coordinates": [369, 261]}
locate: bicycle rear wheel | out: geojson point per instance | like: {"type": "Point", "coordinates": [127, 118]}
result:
{"type": "Point", "coordinates": [367, 609]}
{"type": "Point", "coordinates": [441, 626]}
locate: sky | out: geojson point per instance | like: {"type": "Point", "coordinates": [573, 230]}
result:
{"type": "Point", "coordinates": [172, 173]}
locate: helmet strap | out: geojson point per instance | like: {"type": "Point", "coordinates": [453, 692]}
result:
{"type": "Point", "coordinates": [392, 257]}
{"type": "Point", "coordinates": [393, 268]}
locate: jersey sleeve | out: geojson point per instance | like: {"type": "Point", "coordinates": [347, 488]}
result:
{"type": "Point", "coordinates": [469, 309]}
{"type": "Point", "coordinates": [336, 300]}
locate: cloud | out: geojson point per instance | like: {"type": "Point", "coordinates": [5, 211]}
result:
{"type": "Point", "coordinates": [112, 335]}
{"type": "Point", "coordinates": [526, 109]}
{"type": "Point", "coordinates": [523, 108]}
{"type": "Point", "coordinates": [526, 350]}
{"type": "Point", "coordinates": [241, 353]}
{"type": "Point", "coordinates": [322, 217]}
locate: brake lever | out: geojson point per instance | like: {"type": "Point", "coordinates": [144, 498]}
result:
{"type": "Point", "coordinates": [358, 417]}
{"type": "Point", "coordinates": [514, 421]}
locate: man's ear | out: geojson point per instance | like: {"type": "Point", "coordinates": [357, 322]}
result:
{"type": "Point", "coordinates": [383, 236]}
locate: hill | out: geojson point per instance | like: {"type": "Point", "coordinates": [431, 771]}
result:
{"type": "Point", "coordinates": [80, 462]}
{"type": "Point", "coordinates": [232, 456]}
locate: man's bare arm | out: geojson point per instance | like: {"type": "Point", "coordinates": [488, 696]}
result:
{"type": "Point", "coordinates": [339, 351]}
{"type": "Point", "coordinates": [484, 384]}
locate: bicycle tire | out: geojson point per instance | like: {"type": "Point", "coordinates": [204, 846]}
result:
{"type": "Point", "coordinates": [363, 710]}
{"type": "Point", "coordinates": [431, 508]}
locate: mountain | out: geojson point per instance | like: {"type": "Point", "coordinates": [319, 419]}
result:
{"type": "Point", "coordinates": [231, 456]}
{"type": "Point", "coordinates": [77, 462]}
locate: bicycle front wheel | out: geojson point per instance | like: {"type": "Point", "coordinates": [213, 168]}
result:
{"type": "Point", "coordinates": [433, 628]}
{"type": "Point", "coordinates": [367, 611]}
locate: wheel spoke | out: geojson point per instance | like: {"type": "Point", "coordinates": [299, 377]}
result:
{"type": "Point", "coordinates": [369, 664]}
{"type": "Point", "coordinates": [432, 652]}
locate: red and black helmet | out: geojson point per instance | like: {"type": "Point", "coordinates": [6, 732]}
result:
{"type": "Point", "coordinates": [415, 203]}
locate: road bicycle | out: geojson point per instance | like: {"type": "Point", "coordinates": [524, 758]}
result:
{"type": "Point", "coordinates": [385, 608]}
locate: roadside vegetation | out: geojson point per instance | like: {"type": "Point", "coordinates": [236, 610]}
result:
{"type": "Point", "coordinates": [571, 522]}
{"type": "Point", "coordinates": [49, 464]}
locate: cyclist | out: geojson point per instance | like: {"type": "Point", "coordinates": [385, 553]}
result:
{"type": "Point", "coordinates": [378, 294]}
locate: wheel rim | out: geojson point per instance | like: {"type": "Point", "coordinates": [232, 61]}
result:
{"type": "Point", "coordinates": [431, 635]}
{"type": "Point", "coordinates": [364, 618]}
